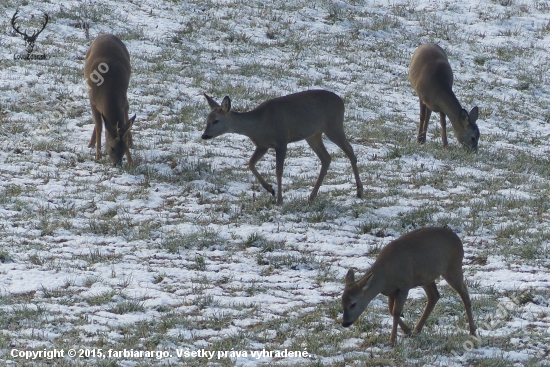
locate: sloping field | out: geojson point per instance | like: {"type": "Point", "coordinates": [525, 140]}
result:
{"type": "Point", "coordinates": [186, 252]}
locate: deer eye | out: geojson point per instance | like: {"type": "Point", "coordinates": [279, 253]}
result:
{"type": "Point", "coordinates": [215, 122]}
{"type": "Point", "coordinates": [352, 306]}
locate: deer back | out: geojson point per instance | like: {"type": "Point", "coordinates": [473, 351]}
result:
{"type": "Point", "coordinates": [431, 77]}
{"type": "Point", "coordinates": [418, 257]}
{"type": "Point", "coordinates": [303, 114]}
{"type": "Point", "coordinates": [279, 121]}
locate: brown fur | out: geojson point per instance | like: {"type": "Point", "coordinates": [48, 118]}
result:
{"type": "Point", "coordinates": [431, 77]}
{"type": "Point", "coordinates": [279, 121]}
{"type": "Point", "coordinates": [108, 96]}
{"type": "Point", "coordinates": [415, 259]}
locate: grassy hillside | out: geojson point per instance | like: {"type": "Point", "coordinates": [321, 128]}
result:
{"type": "Point", "coordinates": [185, 251]}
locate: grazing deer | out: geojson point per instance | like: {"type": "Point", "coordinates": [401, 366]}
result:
{"type": "Point", "coordinates": [279, 121]}
{"type": "Point", "coordinates": [415, 259]}
{"type": "Point", "coordinates": [431, 77]}
{"type": "Point", "coordinates": [107, 72]}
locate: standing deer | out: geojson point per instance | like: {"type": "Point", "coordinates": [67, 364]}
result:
{"type": "Point", "coordinates": [431, 77]}
{"type": "Point", "coordinates": [279, 121]}
{"type": "Point", "coordinates": [415, 259]}
{"type": "Point", "coordinates": [108, 55]}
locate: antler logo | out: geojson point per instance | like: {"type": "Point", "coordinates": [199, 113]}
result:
{"type": "Point", "coordinates": [29, 40]}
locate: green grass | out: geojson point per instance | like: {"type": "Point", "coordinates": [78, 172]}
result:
{"type": "Point", "coordinates": [187, 250]}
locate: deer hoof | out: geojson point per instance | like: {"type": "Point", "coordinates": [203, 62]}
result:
{"type": "Point", "coordinates": [411, 334]}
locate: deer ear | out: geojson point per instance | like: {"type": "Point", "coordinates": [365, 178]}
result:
{"type": "Point", "coordinates": [350, 277]}
{"type": "Point", "coordinates": [474, 114]}
{"type": "Point", "coordinates": [365, 281]}
{"type": "Point", "coordinates": [464, 118]}
{"type": "Point", "coordinates": [129, 126]}
{"type": "Point", "coordinates": [226, 104]}
{"type": "Point", "coordinates": [213, 104]}
{"type": "Point", "coordinates": [131, 121]}
{"type": "Point", "coordinates": [117, 139]}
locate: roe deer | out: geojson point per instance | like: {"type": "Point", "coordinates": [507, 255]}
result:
{"type": "Point", "coordinates": [279, 121]}
{"type": "Point", "coordinates": [415, 259]}
{"type": "Point", "coordinates": [108, 55]}
{"type": "Point", "coordinates": [431, 77]}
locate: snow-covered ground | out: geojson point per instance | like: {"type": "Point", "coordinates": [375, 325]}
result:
{"type": "Point", "coordinates": [186, 252]}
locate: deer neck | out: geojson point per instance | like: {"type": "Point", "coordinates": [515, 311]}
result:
{"type": "Point", "coordinates": [375, 287]}
{"type": "Point", "coordinates": [245, 123]}
{"type": "Point", "coordinates": [451, 107]}
{"type": "Point", "coordinates": [115, 114]}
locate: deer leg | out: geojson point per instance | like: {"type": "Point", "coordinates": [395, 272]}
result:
{"type": "Point", "coordinates": [128, 135]}
{"type": "Point", "coordinates": [433, 297]}
{"type": "Point", "coordinates": [280, 155]}
{"type": "Point", "coordinates": [458, 285]}
{"type": "Point", "coordinates": [128, 156]}
{"type": "Point", "coordinates": [96, 134]}
{"type": "Point", "coordinates": [400, 298]}
{"type": "Point", "coordinates": [97, 120]}
{"type": "Point", "coordinates": [129, 143]}
{"type": "Point", "coordinates": [443, 123]}
{"type": "Point", "coordinates": [316, 143]}
{"type": "Point", "coordinates": [92, 139]}
{"type": "Point", "coordinates": [129, 140]}
{"type": "Point", "coordinates": [423, 126]}
{"type": "Point", "coordinates": [404, 327]}
{"type": "Point", "coordinates": [256, 156]}
{"type": "Point", "coordinates": [339, 138]}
